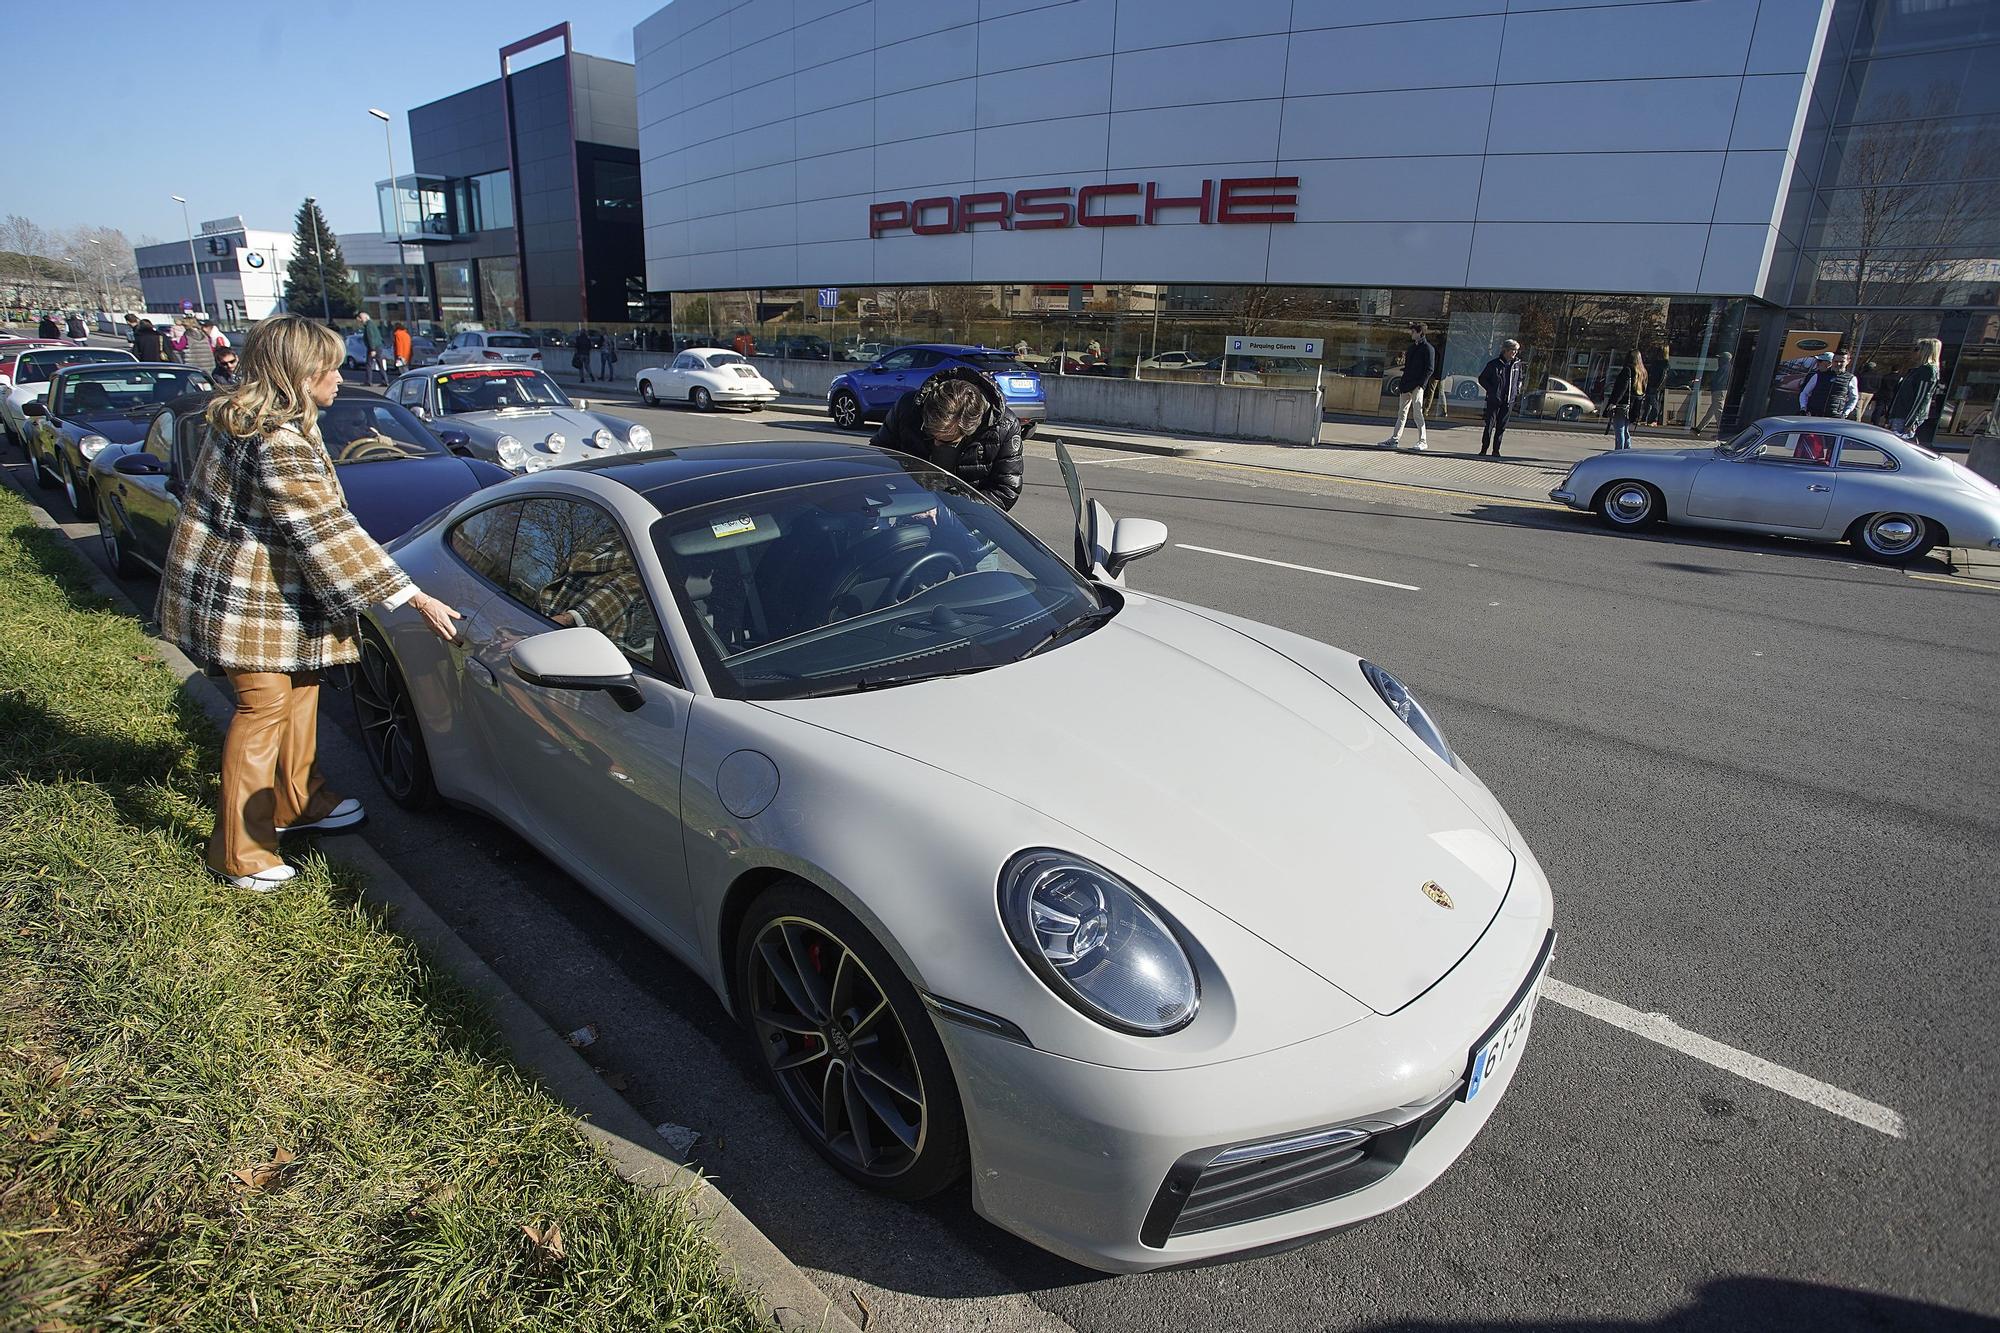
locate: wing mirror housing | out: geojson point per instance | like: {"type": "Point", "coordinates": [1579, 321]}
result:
{"type": "Point", "coordinates": [456, 440]}
{"type": "Point", "coordinates": [580, 404]}
{"type": "Point", "coordinates": [139, 465]}
{"type": "Point", "coordinates": [576, 659]}
{"type": "Point", "coordinates": [37, 408]}
{"type": "Point", "coordinates": [420, 412]}
{"type": "Point", "coordinates": [1133, 539]}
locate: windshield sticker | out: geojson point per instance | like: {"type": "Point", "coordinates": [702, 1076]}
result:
{"type": "Point", "coordinates": [734, 527]}
{"type": "Point", "coordinates": [487, 374]}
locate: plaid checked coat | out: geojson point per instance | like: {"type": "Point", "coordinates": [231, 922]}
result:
{"type": "Point", "coordinates": [267, 569]}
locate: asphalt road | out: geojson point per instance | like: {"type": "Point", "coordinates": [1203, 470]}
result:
{"type": "Point", "coordinates": [1760, 778]}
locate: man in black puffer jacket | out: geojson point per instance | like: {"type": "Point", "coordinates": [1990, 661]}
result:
{"type": "Point", "coordinates": [958, 421]}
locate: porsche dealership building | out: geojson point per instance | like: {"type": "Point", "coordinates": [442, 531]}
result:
{"type": "Point", "coordinates": [1117, 186]}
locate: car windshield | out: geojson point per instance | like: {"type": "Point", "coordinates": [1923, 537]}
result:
{"type": "Point", "coordinates": [369, 430]}
{"type": "Point", "coordinates": [727, 359]}
{"type": "Point", "coordinates": [993, 362]}
{"type": "Point", "coordinates": [509, 340]}
{"type": "Point", "coordinates": [853, 584]}
{"type": "Point", "coordinates": [498, 390]}
{"type": "Point", "coordinates": [38, 367]}
{"type": "Point", "coordinates": [128, 388]}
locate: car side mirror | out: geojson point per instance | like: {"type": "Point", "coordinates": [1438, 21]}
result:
{"type": "Point", "coordinates": [139, 465]}
{"type": "Point", "coordinates": [35, 409]}
{"type": "Point", "coordinates": [456, 440]}
{"type": "Point", "coordinates": [1133, 539]}
{"type": "Point", "coordinates": [580, 404]}
{"type": "Point", "coordinates": [576, 659]}
{"type": "Point", "coordinates": [420, 412]}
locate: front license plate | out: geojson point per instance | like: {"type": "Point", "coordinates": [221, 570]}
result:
{"type": "Point", "coordinates": [1502, 1042]}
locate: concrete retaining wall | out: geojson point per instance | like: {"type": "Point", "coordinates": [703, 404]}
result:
{"type": "Point", "coordinates": [810, 379]}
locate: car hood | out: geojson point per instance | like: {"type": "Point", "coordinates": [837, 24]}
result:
{"type": "Point", "coordinates": [391, 496]}
{"type": "Point", "coordinates": [117, 427]}
{"type": "Point", "coordinates": [1229, 770]}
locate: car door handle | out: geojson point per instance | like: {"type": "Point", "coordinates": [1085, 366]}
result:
{"type": "Point", "coordinates": [1817, 487]}
{"type": "Point", "coordinates": [480, 672]}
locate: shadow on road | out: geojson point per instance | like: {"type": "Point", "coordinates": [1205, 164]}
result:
{"type": "Point", "coordinates": [1741, 1304]}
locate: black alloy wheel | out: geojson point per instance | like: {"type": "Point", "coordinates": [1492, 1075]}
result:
{"type": "Point", "coordinates": [45, 476]}
{"type": "Point", "coordinates": [847, 1041]}
{"type": "Point", "coordinates": [846, 409]}
{"type": "Point", "coordinates": [77, 492]}
{"type": "Point", "coordinates": [389, 729]}
{"type": "Point", "coordinates": [121, 560]}
{"type": "Point", "coordinates": [646, 394]}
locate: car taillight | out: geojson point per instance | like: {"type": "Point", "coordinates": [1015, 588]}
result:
{"type": "Point", "coordinates": [491, 356]}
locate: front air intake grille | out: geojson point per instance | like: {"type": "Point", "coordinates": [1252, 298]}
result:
{"type": "Point", "coordinates": [1221, 1187]}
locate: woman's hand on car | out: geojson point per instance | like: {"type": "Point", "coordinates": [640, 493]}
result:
{"type": "Point", "coordinates": [437, 615]}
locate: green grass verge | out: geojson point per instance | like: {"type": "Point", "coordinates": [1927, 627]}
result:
{"type": "Point", "coordinates": [160, 1033]}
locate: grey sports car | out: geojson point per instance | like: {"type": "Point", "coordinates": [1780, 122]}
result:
{"type": "Point", "coordinates": [515, 416]}
{"type": "Point", "coordinates": [1811, 477]}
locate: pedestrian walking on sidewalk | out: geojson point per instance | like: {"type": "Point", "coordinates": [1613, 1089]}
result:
{"type": "Point", "coordinates": [1419, 368]}
{"type": "Point", "coordinates": [1502, 381]}
{"type": "Point", "coordinates": [48, 328]}
{"type": "Point", "coordinates": [607, 357]}
{"type": "Point", "coordinates": [579, 354]}
{"type": "Point", "coordinates": [399, 343]}
{"type": "Point", "coordinates": [1627, 397]}
{"type": "Point", "coordinates": [1917, 390]}
{"type": "Point", "coordinates": [264, 579]}
{"type": "Point", "coordinates": [374, 343]}
{"type": "Point", "coordinates": [147, 344]}
{"type": "Point", "coordinates": [196, 349]}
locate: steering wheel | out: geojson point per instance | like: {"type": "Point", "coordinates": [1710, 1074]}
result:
{"type": "Point", "coordinates": [906, 584]}
{"type": "Point", "coordinates": [880, 555]}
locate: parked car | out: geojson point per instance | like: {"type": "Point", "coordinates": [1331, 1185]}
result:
{"type": "Point", "coordinates": [802, 347]}
{"type": "Point", "coordinates": [862, 351]}
{"type": "Point", "coordinates": [706, 378]}
{"type": "Point", "coordinates": [409, 474]}
{"type": "Point", "coordinates": [25, 373]}
{"type": "Point", "coordinates": [1810, 477]}
{"type": "Point", "coordinates": [514, 416]}
{"type": "Point", "coordinates": [1556, 398]}
{"type": "Point", "coordinates": [423, 350]}
{"type": "Point", "coordinates": [482, 345]}
{"type": "Point", "coordinates": [91, 407]}
{"type": "Point", "coordinates": [861, 396]}
{"type": "Point", "coordinates": [1047, 942]}
{"type": "Point", "coordinates": [1173, 361]}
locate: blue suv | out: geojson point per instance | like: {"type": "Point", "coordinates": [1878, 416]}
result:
{"type": "Point", "coordinates": [867, 394]}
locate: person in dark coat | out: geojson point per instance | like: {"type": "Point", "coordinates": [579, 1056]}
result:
{"type": "Point", "coordinates": [76, 329]}
{"type": "Point", "coordinates": [1502, 381]}
{"type": "Point", "coordinates": [1916, 391]}
{"type": "Point", "coordinates": [1832, 392]}
{"type": "Point", "coordinates": [48, 328]}
{"type": "Point", "coordinates": [958, 421]}
{"type": "Point", "coordinates": [149, 344]}
{"type": "Point", "coordinates": [1624, 401]}
{"type": "Point", "coordinates": [579, 354]}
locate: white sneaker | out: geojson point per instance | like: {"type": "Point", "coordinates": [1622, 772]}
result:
{"type": "Point", "coordinates": [1421, 446]}
{"type": "Point", "coordinates": [345, 815]}
{"type": "Point", "coordinates": [264, 881]}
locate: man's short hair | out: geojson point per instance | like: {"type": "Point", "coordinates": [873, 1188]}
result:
{"type": "Point", "coordinates": [1417, 327]}
{"type": "Point", "coordinates": [1510, 343]}
{"type": "Point", "coordinates": [956, 407]}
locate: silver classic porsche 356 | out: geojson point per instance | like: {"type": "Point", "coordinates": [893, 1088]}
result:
{"type": "Point", "coordinates": [515, 416]}
{"type": "Point", "coordinates": [1806, 477]}
{"type": "Point", "coordinates": [1184, 935]}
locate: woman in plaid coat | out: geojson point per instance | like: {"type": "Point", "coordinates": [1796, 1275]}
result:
{"type": "Point", "coordinates": [264, 579]}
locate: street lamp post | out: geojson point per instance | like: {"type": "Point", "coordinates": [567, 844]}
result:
{"type": "Point", "coordinates": [396, 211]}
{"type": "Point", "coordinates": [319, 259]}
{"type": "Point", "coordinates": [193, 263]}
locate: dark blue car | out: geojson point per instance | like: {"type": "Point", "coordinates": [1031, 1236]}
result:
{"type": "Point", "coordinates": [867, 394]}
{"type": "Point", "coordinates": [395, 472]}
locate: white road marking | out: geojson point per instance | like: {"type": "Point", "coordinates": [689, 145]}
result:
{"type": "Point", "coordinates": [1303, 569]}
{"type": "Point", "coordinates": [1659, 1028]}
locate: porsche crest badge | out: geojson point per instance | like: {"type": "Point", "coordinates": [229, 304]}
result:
{"type": "Point", "coordinates": [1435, 892]}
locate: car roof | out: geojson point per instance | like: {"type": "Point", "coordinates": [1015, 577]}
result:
{"type": "Point", "coordinates": [1833, 425]}
{"type": "Point", "coordinates": [461, 367]}
{"type": "Point", "coordinates": [88, 368]}
{"type": "Point", "coordinates": [953, 349]}
{"type": "Point", "coordinates": [672, 480]}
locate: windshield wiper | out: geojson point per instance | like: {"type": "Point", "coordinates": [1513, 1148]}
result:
{"type": "Point", "coordinates": [867, 683]}
{"type": "Point", "coordinates": [1069, 627]}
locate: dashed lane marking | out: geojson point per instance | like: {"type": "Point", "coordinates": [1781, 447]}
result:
{"type": "Point", "coordinates": [1659, 1028]}
{"type": "Point", "coordinates": [1303, 569]}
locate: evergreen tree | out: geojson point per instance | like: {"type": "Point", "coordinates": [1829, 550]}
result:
{"type": "Point", "coordinates": [316, 250]}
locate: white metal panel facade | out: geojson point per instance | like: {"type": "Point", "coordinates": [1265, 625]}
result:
{"type": "Point", "coordinates": [1620, 146]}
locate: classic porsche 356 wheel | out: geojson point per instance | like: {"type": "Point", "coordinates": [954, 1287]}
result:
{"type": "Point", "coordinates": [1893, 538]}
{"type": "Point", "coordinates": [849, 1044]}
{"type": "Point", "coordinates": [1629, 505]}
{"type": "Point", "coordinates": [646, 394]}
{"type": "Point", "coordinates": [846, 409]}
{"type": "Point", "coordinates": [389, 729]}
{"type": "Point", "coordinates": [702, 400]}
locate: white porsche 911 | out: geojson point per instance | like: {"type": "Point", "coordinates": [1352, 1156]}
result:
{"type": "Point", "coordinates": [1183, 936]}
{"type": "Point", "coordinates": [706, 378]}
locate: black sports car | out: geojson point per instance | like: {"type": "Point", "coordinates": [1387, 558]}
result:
{"type": "Point", "coordinates": [395, 471]}
{"type": "Point", "coordinates": [91, 408]}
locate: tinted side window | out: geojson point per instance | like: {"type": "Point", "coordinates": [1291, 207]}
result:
{"type": "Point", "coordinates": [925, 360]}
{"type": "Point", "coordinates": [486, 540]}
{"type": "Point", "coordinates": [900, 361]}
{"type": "Point", "coordinates": [190, 433]}
{"type": "Point", "coordinates": [572, 564]}
{"type": "Point", "coordinates": [160, 437]}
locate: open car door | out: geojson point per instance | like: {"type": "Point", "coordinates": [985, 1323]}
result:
{"type": "Point", "coordinates": [1104, 546]}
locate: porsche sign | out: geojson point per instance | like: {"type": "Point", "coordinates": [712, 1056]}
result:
{"type": "Point", "coordinates": [1233, 199]}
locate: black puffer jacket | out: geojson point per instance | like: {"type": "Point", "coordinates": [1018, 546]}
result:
{"type": "Point", "coordinates": [988, 460]}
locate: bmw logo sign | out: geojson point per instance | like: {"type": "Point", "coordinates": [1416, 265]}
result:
{"type": "Point", "coordinates": [254, 260]}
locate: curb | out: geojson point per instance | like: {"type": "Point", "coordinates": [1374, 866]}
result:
{"type": "Point", "coordinates": [619, 1132]}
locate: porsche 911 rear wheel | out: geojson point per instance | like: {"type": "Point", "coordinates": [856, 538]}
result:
{"type": "Point", "coordinates": [1629, 505]}
{"type": "Point", "coordinates": [848, 1043]}
{"type": "Point", "coordinates": [389, 729]}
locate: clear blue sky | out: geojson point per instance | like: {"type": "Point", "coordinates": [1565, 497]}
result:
{"type": "Point", "coordinates": [252, 106]}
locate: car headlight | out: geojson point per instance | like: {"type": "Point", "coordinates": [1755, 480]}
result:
{"type": "Point", "coordinates": [638, 438]}
{"type": "Point", "coordinates": [1405, 706]}
{"type": "Point", "coordinates": [90, 446]}
{"type": "Point", "coordinates": [602, 438]}
{"type": "Point", "coordinates": [511, 451]}
{"type": "Point", "coordinates": [1097, 943]}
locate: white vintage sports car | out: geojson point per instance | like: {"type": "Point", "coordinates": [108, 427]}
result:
{"type": "Point", "coordinates": [1186, 936]}
{"type": "Point", "coordinates": [706, 378]}
{"type": "Point", "coordinates": [1814, 477]}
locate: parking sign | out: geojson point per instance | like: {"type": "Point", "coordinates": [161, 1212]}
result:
{"type": "Point", "coordinates": [829, 298]}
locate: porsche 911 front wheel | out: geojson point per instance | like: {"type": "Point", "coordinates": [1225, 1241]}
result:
{"type": "Point", "coordinates": [849, 1044]}
{"type": "Point", "coordinates": [389, 729]}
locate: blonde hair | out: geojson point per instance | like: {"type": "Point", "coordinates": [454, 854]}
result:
{"type": "Point", "coordinates": [1638, 372]}
{"type": "Point", "coordinates": [953, 406]}
{"type": "Point", "coordinates": [1930, 352]}
{"type": "Point", "coordinates": [283, 352]}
